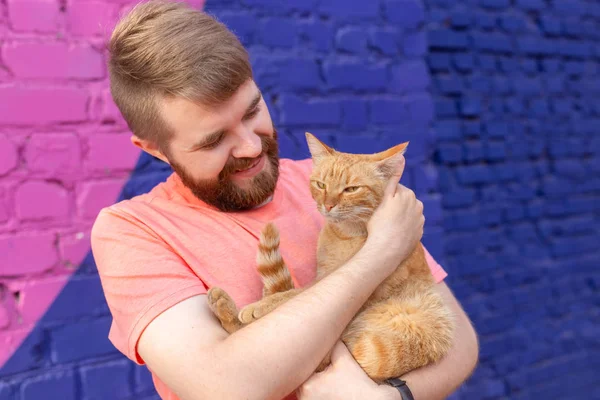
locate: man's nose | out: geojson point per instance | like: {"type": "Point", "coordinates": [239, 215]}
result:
{"type": "Point", "coordinates": [249, 145]}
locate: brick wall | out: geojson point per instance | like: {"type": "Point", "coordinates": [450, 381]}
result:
{"type": "Point", "coordinates": [516, 89]}
{"type": "Point", "coordinates": [362, 79]}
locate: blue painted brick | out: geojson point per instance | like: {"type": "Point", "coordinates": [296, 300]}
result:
{"type": "Point", "coordinates": [460, 19]}
{"type": "Point", "coordinates": [446, 108]}
{"type": "Point", "coordinates": [508, 65]}
{"type": "Point", "coordinates": [447, 39]}
{"type": "Point", "coordinates": [529, 66]}
{"type": "Point", "coordinates": [425, 179]}
{"type": "Point", "coordinates": [81, 340]}
{"type": "Point", "coordinates": [317, 34]}
{"type": "Point", "coordinates": [486, 62]}
{"type": "Point", "coordinates": [495, 4]}
{"type": "Point", "coordinates": [531, 5]}
{"type": "Point", "coordinates": [355, 76]}
{"type": "Point", "coordinates": [354, 114]}
{"type": "Point", "coordinates": [470, 106]}
{"type": "Point", "coordinates": [572, 28]}
{"type": "Point", "coordinates": [388, 111]}
{"type": "Point", "coordinates": [358, 11]}
{"type": "Point", "coordinates": [420, 108]}
{"type": "Point", "coordinates": [482, 84]}
{"type": "Point", "coordinates": [90, 299]}
{"type": "Point", "coordinates": [300, 73]}
{"type": "Point", "coordinates": [551, 65]}
{"type": "Point", "coordinates": [448, 130]}
{"type": "Point", "coordinates": [352, 40]}
{"type": "Point", "coordinates": [449, 85]}
{"type": "Point", "coordinates": [467, 220]}
{"type": "Point", "coordinates": [472, 129]}
{"type": "Point", "coordinates": [243, 25]}
{"type": "Point", "coordinates": [512, 23]}
{"type": "Point", "coordinates": [410, 76]}
{"type": "Point", "coordinates": [295, 111]}
{"type": "Point", "coordinates": [463, 62]}
{"type": "Point", "coordinates": [449, 153]}
{"type": "Point", "coordinates": [59, 385]}
{"type": "Point", "coordinates": [289, 147]}
{"type": "Point", "coordinates": [485, 21]}
{"type": "Point", "coordinates": [106, 381]}
{"type": "Point", "coordinates": [472, 152]}
{"type": "Point", "coordinates": [439, 61]}
{"type": "Point", "coordinates": [406, 14]}
{"type": "Point", "coordinates": [493, 42]}
{"type": "Point", "coordinates": [30, 355]}
{"type": "Point", "coordinates": [414, 44]}
{"type": "Point", "coordinates": [496, 129]}
{"type": "Point", "coordinates": [555, 85]}
{"type": "Point", "coordinates": [384, 40]}
{"type": "Point", "coordinates": [432, 210]}
{"type": "Point", "coordinates": [143, 379]}
{"type": "Point", "coordinates": [6, 391]}
{"type": "Point", "coordinates": [474, 174]}
{"type": "Point", "coordinates": [458, 198]}
{"type": "Point", "coordinates": [277, 32]}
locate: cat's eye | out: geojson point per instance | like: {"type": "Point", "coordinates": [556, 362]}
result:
{"type": "Point", "coordinates": [351, 189]}
{"type": "Point", "coordinates": [320, 185]}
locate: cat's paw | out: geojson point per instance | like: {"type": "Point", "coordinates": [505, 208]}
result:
{"type": "Point", "coordinates": [224, 308]}
{"type": "Point", "coordinates": [252, 312]}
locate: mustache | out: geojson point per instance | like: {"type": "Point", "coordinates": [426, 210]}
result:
{"type": "Point", "coordinates": [235, 164]}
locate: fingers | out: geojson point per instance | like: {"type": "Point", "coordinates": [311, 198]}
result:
{"type": "Point", "coordinates": [390, 189]}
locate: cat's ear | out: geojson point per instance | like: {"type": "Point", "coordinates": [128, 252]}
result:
{"type": "Point", "coordinates": [317, 148]}
{"type": "Point", "coordinates": [388, 161]}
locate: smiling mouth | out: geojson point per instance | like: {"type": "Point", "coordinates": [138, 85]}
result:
{"type": "Point", "coordinates": [254, 164]}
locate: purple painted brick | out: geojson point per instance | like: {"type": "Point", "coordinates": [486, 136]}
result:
{"type": "Point", "coordinates": [56, 202]}
{"type": "Point", "coordinates": [60, 385]}
{"type": "Point", "coordinates": [106, 381]}
{"type": "Point", "coordinates": [406, 14]}
{"type": "Point", "coordinates": [8, 155]}
{"type": "Point", "coordinates": [53, 154]}
{"type": "Point", "coordinates": [411, 76]}
{"type": "Point", "coordinates": [34, 15]}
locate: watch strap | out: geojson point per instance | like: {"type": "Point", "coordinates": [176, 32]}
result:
{"type": "Point", "coordinates": [402, 387]}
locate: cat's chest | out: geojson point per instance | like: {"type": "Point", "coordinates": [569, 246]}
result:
{"type": "Point", "coordinates": [332, 253]}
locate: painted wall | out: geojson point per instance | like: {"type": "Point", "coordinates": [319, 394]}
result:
{"type": "Point", "coordinates": [516, 87]}
{"type": "Point", "coordinates": [362, 78]}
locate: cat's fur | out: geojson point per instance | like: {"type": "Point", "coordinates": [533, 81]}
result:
{"type": "Point", "coordinates": [405, 324]}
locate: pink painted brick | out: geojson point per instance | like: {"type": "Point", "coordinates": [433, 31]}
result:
{"type": "Point", "coordinates": [9, 157]}
{"type": "Point", "coordinates": [27, 253]}
{"type": "Point", "coordinates": [110, 111]}
{"type": "Point", "coordinates": [60, 60]}
{"type": "Point", "coordinates": [35, 200]}
{"type": "Point", "coordinates": [110, 152]}
{"type": "Point", "coordinates": [73, 248]}
{"type": "Point", "coordinates": [29, 106]}
{"type": "Point", "coordinates": [4, 212]}
{"type": "Point", "coordinates": [87, 18]}
{"type": "Point", "coordinates": [94, 196]}
{"type": "Point", "coordinates": [34, 15]}
{"type": "Point", "coordinates": [55, 154]}
{"type": "Point", "coordinates": [36, 296]}
{"type": "Point", "coordinates": [4, 316]}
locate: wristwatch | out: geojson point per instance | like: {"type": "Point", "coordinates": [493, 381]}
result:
{"type": "Point", "coordinates": [402, 387]}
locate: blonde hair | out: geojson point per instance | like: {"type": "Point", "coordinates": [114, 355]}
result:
{"type": "Point", "coordinates": [168, 49]}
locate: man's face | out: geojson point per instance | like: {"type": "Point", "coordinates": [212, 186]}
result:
{"type": "Point", "coordinates": [227, 156]}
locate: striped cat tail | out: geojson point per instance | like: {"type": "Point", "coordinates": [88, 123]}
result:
{"type": "Point", "coordinates": [275, 274]}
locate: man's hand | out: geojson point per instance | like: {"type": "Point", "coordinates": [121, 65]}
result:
{"type": "Point", "coordinates": [397, 224]}
{"type": "Point", "coordinates": [344, 379]}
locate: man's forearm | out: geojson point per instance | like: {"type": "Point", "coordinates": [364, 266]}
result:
{"type": "Point", "coordinates": [274, 355]}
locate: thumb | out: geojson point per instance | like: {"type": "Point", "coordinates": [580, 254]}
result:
{"type": "Point", "coordinates": [340, 353]}
{"type": "Point", "coordinates": [390, 189]}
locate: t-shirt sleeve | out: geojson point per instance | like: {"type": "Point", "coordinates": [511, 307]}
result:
{"type": "Point", "coordinates": [436, 269]}
{"type": "Point", "coordinates": [140, 274]}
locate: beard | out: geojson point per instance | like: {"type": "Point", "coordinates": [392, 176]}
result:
{"type": "Point", "coordinates": [224, 194]}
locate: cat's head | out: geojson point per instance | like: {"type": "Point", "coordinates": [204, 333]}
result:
{"type": "Point", "coordinates": [349, 187]}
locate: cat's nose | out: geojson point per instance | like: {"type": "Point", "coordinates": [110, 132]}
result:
{"type": "Point", "coordinates": [328, 207]}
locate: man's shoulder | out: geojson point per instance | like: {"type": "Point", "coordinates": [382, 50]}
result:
{"type": "Point", "coordinates": [296, 168]}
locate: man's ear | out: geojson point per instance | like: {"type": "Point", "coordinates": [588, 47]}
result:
{"type": "Point", "coordinates": [149, 147]}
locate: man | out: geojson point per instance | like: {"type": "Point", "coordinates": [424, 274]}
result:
{"type": "Point", "coordinates": [184, 85]}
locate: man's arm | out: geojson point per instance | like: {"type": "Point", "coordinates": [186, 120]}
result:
{"type": "Point", "coordinates": [190, 352]}
{"type": "Point", "coordinates": [439, 380]}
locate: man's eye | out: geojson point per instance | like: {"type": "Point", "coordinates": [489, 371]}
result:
{"type": "Point", "coordinates": [252, 113]}
{"type": "Point", "coordinates": [213, 144]}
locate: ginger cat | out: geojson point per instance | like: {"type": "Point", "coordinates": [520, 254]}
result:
{"type": "Point", "coordinates": [404, 325]}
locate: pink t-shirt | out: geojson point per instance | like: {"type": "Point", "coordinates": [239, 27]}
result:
{"type": "Point", "coordinates": [163, 247]}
